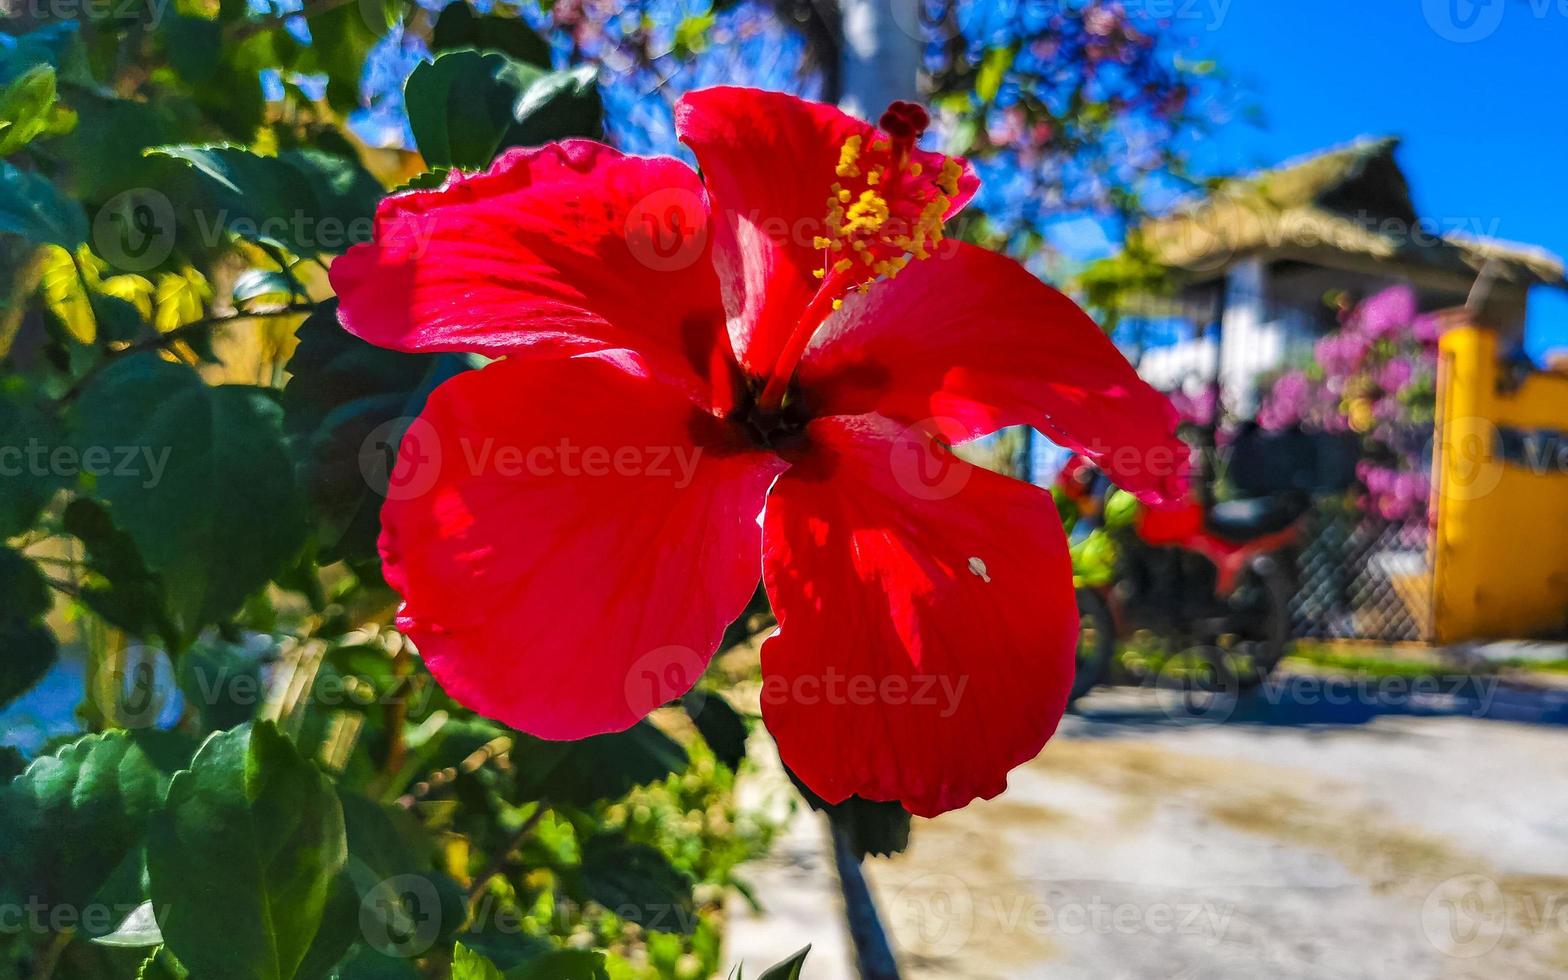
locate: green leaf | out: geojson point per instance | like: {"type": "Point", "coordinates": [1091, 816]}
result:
{"type": "Point", "coordinates": [195, 47]}
{"type": "Point", "coordinates": [561, 104]}
{"type": "Point", "coordinates": [467, 106]}
{"type": "Point", "coordinates": [346, 196]}
{"type": "Point", "coordinates": [460, 106]}
{"type": "Point", "coordinates": [789, 969]}
{"type": "Point", "coordinates": [459, 27]}
{"type": "Point", "coordinates": [719, 724]}
{"type": "Point", "coordinates": [223, 681]}
{"type": "Point", "coordinates": [469, 965]}
{"type": "Point", "coordinates": [57, 44]}
{"type": "Point", "coordinates": [347, 406]}
{"type": "Point", "coordinates": [27, 437]}
{"type": "Point", "coordinates": [118, 587]}
{"type": "Point", "coordinates": [105, 151]}
{"type": "Point", "coordinates": [306, 201]}
{"type": "Point", "coordinates": [70, 820]}
{"type": "Point", "coordinates": [32, 207]}
{"type": "Point", "coordinates": [242, 856]}
{"type": "Point", "coordinates": [600, 767]}
{"type": "Point", "coordinates": [637, 883]}
{"type": "Point", "coordinates": [27, 109]}
{"type": "Point", "coordinates": [162, 965]}
{"type": "Point", "coordinates": [562, 964]}
{"type": "Point", "coordinates": [27, 647]}
{"type": "Point", "coordinates": [874, 826]}
{"type": "Point", "coordinates": [210, 500]}
{"type": "Point", "coordinates": [364, 963]}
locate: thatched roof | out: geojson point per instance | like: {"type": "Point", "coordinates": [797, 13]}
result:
{"type": "Point", "coordinates": [1348, 202]}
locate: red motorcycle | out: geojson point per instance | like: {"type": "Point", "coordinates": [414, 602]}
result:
{"type": "Point", "coordinates": [1211, 583]}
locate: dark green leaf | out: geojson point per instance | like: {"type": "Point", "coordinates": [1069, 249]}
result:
{"type": "Point", "coordinates": [27, 477]}
{"type": "Point", "coordinates": [117, 319]}
{"type": "Point", "coordinates": [461, 105]}
{"type": "Point", "coordinates": [32, 207]}
{"type": "Point", "coordinates": [561, 104]}
{"type": "Point", "coordinates": [72, 818]}
{"type": "Point", "coordinates": [104, 152]}
{"type": "Point", "coordinates": [347, 406]}
{"type": "Point", "coordinates": [637, 883]}
{"type": "Point", "coordinates": [788, 969]}
{"type": "Point", "coordinates": [429, 180]}
{"type": "Point", "coordinates": [459, 27]}
{"type": "Point", "coordinates": [562, 964]}
{"type": "Point", "coordinates": [242, 856]}
{"type": "Point", "coordinates": [210, 502]}
{"type": "Point", "coordinates": [364, 963]}
{"type": "Point", "coordinates": [467, 106]}
{"type": "Point", "coordinates": [12, 762]}
{"type": "Point", "coordinates": [27, 647]}
{"type": "Point", "coordinates": [58, 45]}
{"type": "Point", "coordinates": [601, 767]}
{"type": "Point", "coordinates": [874, 826]}
{"type": "Point", "coordinates": [223, 681]}
{"type": "Point", "coordinates": [306, 201]}
{"type": "Point", "coordinates": [118, 587]}
{"type": "Point", "coordinates": [720, 725]}
{"type": "Point", "coordinates": [346, 196]}
{"type": "Point", "coordinates": [195, 46]}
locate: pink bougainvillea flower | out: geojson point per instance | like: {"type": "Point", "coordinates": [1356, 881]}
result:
{"type": "Point", "coordinates": [755, 371]}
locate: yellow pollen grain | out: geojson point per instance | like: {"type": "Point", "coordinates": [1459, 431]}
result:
{"type": "Point", "coordinates": [947, 180]}
{"type": "Point", "coordinates": [848, 155]}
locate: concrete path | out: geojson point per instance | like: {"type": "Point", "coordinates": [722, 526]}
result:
{"type": "Point", "coordinates": [1321, 831]}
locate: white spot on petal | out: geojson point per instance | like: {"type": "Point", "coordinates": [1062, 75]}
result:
{"type": "Point", "coordinates": [977, 567]}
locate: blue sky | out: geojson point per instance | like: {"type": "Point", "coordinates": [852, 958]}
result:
{"type": "Point", "coordinates": [1477, 88]}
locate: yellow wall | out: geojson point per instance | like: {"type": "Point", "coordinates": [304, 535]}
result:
{"type": "Point", "coordinates": [1500, 562]}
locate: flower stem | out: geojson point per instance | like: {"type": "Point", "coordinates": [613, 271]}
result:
{"type": "Point", "coordinates": [873, 953]}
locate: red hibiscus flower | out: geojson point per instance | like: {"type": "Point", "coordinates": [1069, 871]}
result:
{"type": "Point", "coordinates": [757, 370]}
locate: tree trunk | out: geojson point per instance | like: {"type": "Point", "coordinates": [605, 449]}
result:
{"type": "Point", "coordinates": [880, 57]}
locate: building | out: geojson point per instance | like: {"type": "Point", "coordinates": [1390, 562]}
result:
{"type": "Point", "coordinates": [1255, 259]}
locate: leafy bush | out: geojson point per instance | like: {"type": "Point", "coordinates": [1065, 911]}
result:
{"type": "Point", "coordinates": [271, 785]}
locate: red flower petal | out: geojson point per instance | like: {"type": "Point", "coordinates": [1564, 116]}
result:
{"type": "Point", "coordinates": [975, 342]}
{"type": "Point", "coordinates": [927, 621]}
{"type": "Point", "coordinates": [768, 161]}
{"type": "Point", "coordinates": [568, 571]}
{"type": "Point", "coordinates": [567, 247]}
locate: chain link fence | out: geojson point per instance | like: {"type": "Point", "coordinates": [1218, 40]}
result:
{"type": "Point", "coordinates": [1363, 577]}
